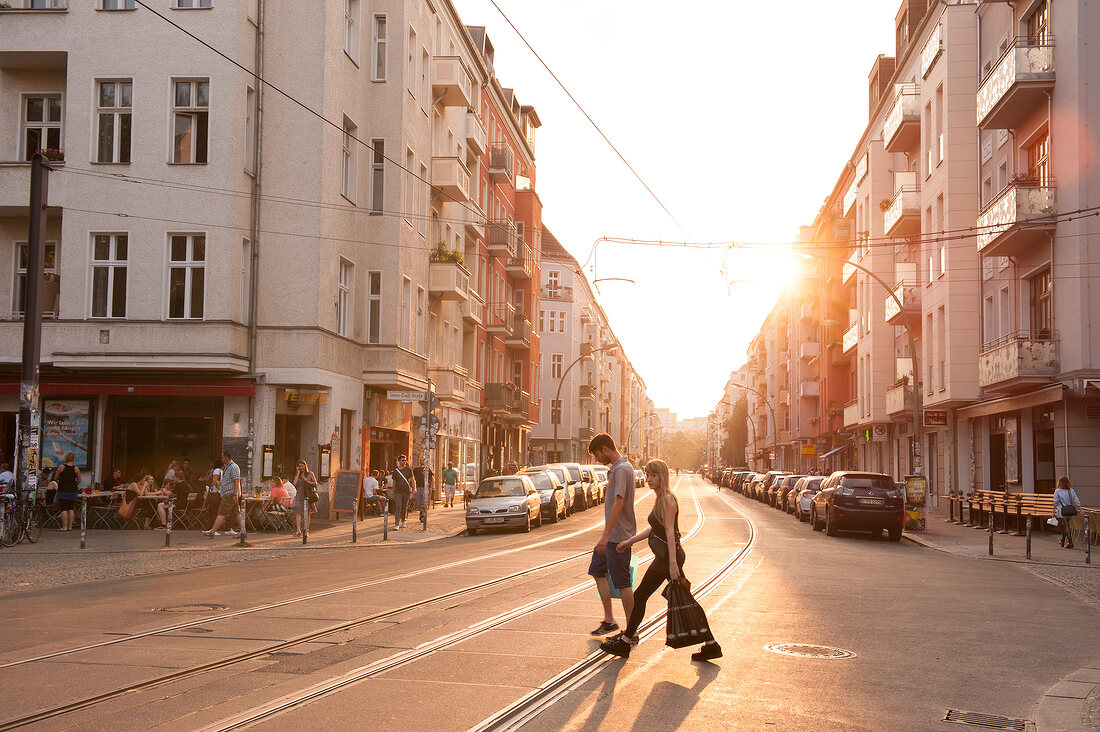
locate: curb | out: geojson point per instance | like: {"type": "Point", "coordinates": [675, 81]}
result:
{"type": "Point", "coordinates": [1064, 706]}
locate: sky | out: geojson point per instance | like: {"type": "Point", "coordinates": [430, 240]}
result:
{"type": "Point", "coordinates": [739, 116]}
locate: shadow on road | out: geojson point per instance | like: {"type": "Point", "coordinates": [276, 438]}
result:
{"type": "Point", "coordinates": [669, 703]}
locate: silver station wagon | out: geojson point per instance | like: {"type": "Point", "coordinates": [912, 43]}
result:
{"type": "Point", "coordinates": [504, 502]}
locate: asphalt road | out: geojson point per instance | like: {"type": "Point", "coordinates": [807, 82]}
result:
{"type": "Point", "coordinates": [929, 632]}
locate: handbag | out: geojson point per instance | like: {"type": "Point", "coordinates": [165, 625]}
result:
{"type": "Point", "coordinates": [1070, 509]}
{"type": "Point", "coordinates": [311, 493]}
{"type": "Point", "coordinates": [126, 509]}
{"type": "Point", "coordinates": [687, 623]}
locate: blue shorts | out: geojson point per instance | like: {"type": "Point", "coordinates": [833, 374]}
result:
{"type": "Point", "coordinates": [613, 563]}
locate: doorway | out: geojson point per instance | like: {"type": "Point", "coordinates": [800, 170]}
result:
{"type": "Point", "coordinates": [288, 443]}
{"type": "Point", "coordinates": [997, 461]}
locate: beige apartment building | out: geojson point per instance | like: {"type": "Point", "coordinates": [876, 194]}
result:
{"type": "Point", "coordinates": [238, 266]}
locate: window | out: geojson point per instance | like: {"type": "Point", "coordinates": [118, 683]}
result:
{"type": "Point", "coordinates": [374, 307]}
{"type": "Point", "coordinates": [378, 71]}
{"type": "Point", "coordinates": [542, 321]}
{"type": "Point", "coordinates": [114, 105]}
{"type": "Point", "coordinates": [19, 290]}
{"type": "Point", "coordinates": [1038, 161]}
{"type": "Point", "coordinates": [517, 373]}
{"type": "Point", "coordinates": [184, 4]}
{"type": "Point", "coordinates": [117, 5]}
{"type": "Point", "coordinates": [406, 307]}
{"type": "Point", "coordinates": [343, 298]}
{"type": "Point", "coordinates": [190, 121]}
{"type": "Point", "coordinates": [41, 124]}
{"type": "Point", "coordinates": [561, 321]}
{"type": "Point", "coordinates": [1038, 25]}
{"type": "Point", "coordinates": [553, 282]}
{"type": "Point", "coordinates": [425, 90]}
{"type": "Point", "coordinates": [347, 170]}
{"type": "Point", "coordinates": [351, 29]}
{"type": "Point", "coordinates": [246, 281]}
{"type": "Point", "coordinates": [1042, 311]}
{"type": "Point", "coordinates": [186, 275]}
{"type": "Point", "coordinates": [250, 130]}
{"type": "Point", "coordinates": [410, 64]}
{"type": "Point", "coordinates": [378, 176]}
{"type": "Point", "coordinates": [556, 363]}
{"type": "Point", "coordinates": [109, 254]}
{"type": "Point", "coordinates": [408, 194]}
{"type": "Point", "coordinates": [421, 198]}
{"type": "Point", "coordinates": [419, 320]}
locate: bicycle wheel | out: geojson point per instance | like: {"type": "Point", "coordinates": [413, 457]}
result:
{"type": "Point", "coordinates": [13, 527]}
{"type": "Point", "coordinates": [33, 526]}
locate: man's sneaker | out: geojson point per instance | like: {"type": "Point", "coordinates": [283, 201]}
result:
{"type": "Point", "coordinates": [402, 524]}
{"type": "Point", "coordinates": [616, 646]}
{"type": "Point", "coordinates": [219, 533]}
{"type": "Point", "coordinates": [605, 628]}
{"type": "Point", "coordinates": [207, 534]}
{"type": "Point", "coordinates": [234, 532]}
{"type": "Point", "coordinates": [158, 528]}
{"type": "Point", "coordinates": [707, 652]}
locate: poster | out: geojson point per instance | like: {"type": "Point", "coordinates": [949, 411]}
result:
{"type": "Point", "coordinates": [66, 430]}
{"type": "Point", "coordinates": [916, 497]}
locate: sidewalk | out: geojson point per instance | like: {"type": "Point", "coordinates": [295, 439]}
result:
{"type": "Point", "coordinates": [1073, 703]}
{"type": "Point", "coordinates": [442, 522]}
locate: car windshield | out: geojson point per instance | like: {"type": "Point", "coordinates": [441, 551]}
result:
{"type": "Point", "coordinates": [602, 473]}
{"type": "Point", "coordinates": [542, 482]}
{"type": "Point", "coordinates": [868, 484]}
{"type": "Point", "coordinates": [813, 484]}
{"type": "Point", "coordinates": [498, 488]}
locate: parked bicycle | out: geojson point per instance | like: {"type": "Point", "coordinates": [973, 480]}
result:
{"type": "Point", "coordinates": [22, 517]}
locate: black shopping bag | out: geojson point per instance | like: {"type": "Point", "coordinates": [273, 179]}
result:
{"type": "Point", "coordinates": [687, 623]}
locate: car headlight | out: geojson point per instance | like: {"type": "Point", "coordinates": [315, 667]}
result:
{"type": "Point", "coordinates": [515, 509]}
{"type": "Point", "coordinates": [472, 509]}
{"type": "Point", "coordinates": [845, 491]}
{"type": "Point", "coordinates": [545, 499]}
{"type": "Point", "coordinates": [893, 494]}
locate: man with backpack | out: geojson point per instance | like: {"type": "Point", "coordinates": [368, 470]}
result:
{"type": "Point", "coordinates": [404, 483]}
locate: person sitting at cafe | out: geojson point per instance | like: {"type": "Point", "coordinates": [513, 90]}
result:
{"type": "Point", "coordinates": [170, 476]}
{"type": "Point", "coordinates": [145, 511]}
{"type": "Point", "coordinates": [114, 480]}
{"type": "Point", "coordinates": [184, 472]}
{"type": "Point", "coordinates": [279, 494]}
{"type": "Point", "coordinates": [371, 494]}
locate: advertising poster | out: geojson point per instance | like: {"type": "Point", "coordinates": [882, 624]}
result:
{"type": "Point", "coordinates": [66, 430]}
{"type": "Point", "coordinates": [916, 496]}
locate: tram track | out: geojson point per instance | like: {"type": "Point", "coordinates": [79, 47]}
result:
{"type": "Point", "coordinates": [96, 699]}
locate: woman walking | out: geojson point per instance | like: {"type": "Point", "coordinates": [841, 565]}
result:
{"type": "Point", "coordinates": [68, 482]}
{"type": "Point", "coordinates": [303, 479]}
{"type": "Point", "coordinates": [663, 534]}
{"type": "Point", "coordinates": [1066, 504]}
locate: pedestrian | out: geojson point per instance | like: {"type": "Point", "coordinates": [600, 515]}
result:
{"type": "Point", "coordinates": [68, 480]}
{"type": "Point", "coordinates": [1066, 504]}
{"type": "Point", "coordinates": [304, 479]}
{"type": "Point", "coordinates": [230, 492]}
{"type": "Point", "coordinates": [370, 492]}
{"type": "Point", "coordinates": [424, 480]}
{"type": "Point", "coordinates": [662, 534]}
{"type": "Point", "coordinates": [619, 525]}
{"type": "Point", "coordinates": [450, 480]}
{"type": "Point", "coordinates": [403, 484]}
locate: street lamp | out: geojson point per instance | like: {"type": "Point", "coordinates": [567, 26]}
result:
{"type": "Point", "coordinates": [775, 422]}
{"type": "Point", "coordinates": [555, 416]}
{"type": "Point", "coordinates": [917, 432]}
{"type": "Point", "coordinates": [630, 431]}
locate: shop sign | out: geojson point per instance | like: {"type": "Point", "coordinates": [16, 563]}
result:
{"type": "Point", "coordinates": [809, 451]}
{"type": "Point", "coordinates": [880, 433]}
{"type": "Point", "coordinates": [392, 415]}
{"type": "Point", "coordinates": [66, 431]}
{"type": "Point", "coordinates": [935, 417]}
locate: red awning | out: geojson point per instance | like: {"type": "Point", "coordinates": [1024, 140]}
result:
{"type": "Point", "coordinates": [74, 386]}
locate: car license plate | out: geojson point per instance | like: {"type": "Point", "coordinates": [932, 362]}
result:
{"type": "Point", "coordinates": [494, 520]}
{"type": "Point", "coordinates": [873, 501]}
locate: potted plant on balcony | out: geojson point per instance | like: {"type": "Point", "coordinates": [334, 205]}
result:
{"type": "Point", "coordinates": [53, 154]}
{"type": "Point", "coordinates": [884, 205]}
{"type": "Point", "coordinates": [442, 254]}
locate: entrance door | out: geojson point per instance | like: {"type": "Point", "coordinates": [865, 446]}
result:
{"type": "Point", "coordinates": [288, 444]}
{"type": "Point", "coordinates": [997, 461]}
{"type": "Point", "coordinates": [7, 439]}
{"type": "Point", "coordinates": [1044, 460]}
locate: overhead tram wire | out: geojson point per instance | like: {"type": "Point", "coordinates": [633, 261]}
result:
{"type": "Point", "coordinates": [587, 117]}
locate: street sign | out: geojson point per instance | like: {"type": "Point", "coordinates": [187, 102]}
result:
{"type": "Point", "coordinates": [404, 396]}
{"type": "Point", "coordinates": [430, 425]}
{"type": "Point", "coordinates": [430, 402]}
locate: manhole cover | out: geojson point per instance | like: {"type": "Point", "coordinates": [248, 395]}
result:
{"type": "Point", "coordinates": [805, 650]}
{"type": "Point", "coordinates": [987, 721]}
{"type": "Point", "coordinates": [198, 607]}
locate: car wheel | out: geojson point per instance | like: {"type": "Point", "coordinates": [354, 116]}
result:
{"type": "Point", "coordinates": [895, 534]}
{"type": "Point", "coordinates": [471, 531]}
{"type": "Point", "coordinates": [538, 518]}
{"type": "Point", "coordinates": [554, 515]}
{"type": "Point", "coordinates": [814, 525]}
{"type": "Point", "coordinates": [527, 524]}
{"type": "Point", "coordinates": [830, 524]}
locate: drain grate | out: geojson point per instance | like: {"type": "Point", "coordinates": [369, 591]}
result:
{"type": "Point", "coordinates": [987, 721]}
{"type": "Point", "coordinates": [198, 607]}
{"type": "Point", "coordinates": [806, 650]}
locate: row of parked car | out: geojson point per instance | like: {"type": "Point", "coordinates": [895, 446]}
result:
{"type": "Point", "coordinates": [843, 501]}
{"type": "Point", "coordinates": [535, 494]}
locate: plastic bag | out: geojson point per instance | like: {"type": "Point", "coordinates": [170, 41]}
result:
{"type": "Point", "coordinates": [687, 623]}
{"type": "Point", "coordinates": [1052, 522]}
{"type": "Point", "coordinates": [633, 578]}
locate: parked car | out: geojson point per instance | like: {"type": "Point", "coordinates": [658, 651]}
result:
{"type": "Point", "coordinates": [639, 477]}
{"type": "Point", "coordinates": [804, 492]}
{"type": "Point", "coordinates": [598, 481]}
{"type": "Point", "coordinates": [850, 501]}
{"type": "Point", "coordinates": [502, 502]}
{"type": "Point", "coordinates": [554, 506]}
{"type": "Point", "coordinates": [589, 487]}
{"type": "Point", "coordinates": [766, 485]}
{"type": "Point", "coordinates": [562, 475]}
{"type": "Point", "coordinates": [742, 480]}
{"type": "Point", "coordinates": [754, 485]}
{"type": "Point", "coordinates": [783, 486]}
{"type": "Point", "coordinates": [573, 478]}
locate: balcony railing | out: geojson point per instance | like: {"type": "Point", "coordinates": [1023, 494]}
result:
{"type": "Point", "coordinates": [851, 337]}
{"type": "Point", "coordinates": [585, 433]}
{"type": "Point", "coordinates": [449, 382]}
{"type": "Point", "coordinates": [522, 264]}
{"type": "Point", "coordinates": [901, 131]}
{"type": "Point", "coordinates": [588, 391]}
{"type": "Point", "coordinates": [473, 309]}
{"type": "Point", "coordinates": [500, 398]}
{"type": "Point", "coordinates": [557, 294]}
{"type": "Point", "coordinates": [903, 216]}
{"type": "Point", "coordinates": [448, 280]}
{"type": "Point", "coordinates": [809, 349]}
{"type": "Point", "coordinates": [501, 316]}
{"type": "Point", "coordinates": [502, 238]}
{"type": "Point", "coordinates": [851, 413]}
{"type": "Point", "coordinates": [909, 294]}
{"type": "Point", "coordinates": [520, 337]}
{"type": "Point", "coordinates": [1019, 218]}
{"type": "Point", "coordinates": [809, 388]}
{"type": "Point", "coordinates": [477, 140]}
{"type": "Point", "coordinates": [1016, 360]}
{"type": "Point", "coordinates": [1020, 81]}
{"type": "Point", "coordinates": [451, 177]}
{"type": "Point", "coordinates": [502, 163]}
{"type": "Point", "coordinates": [848, 271]}
{"type": "Point", "coordinates": [473, 394]}
{"type": "Point", "coordinates": [899, 399]}
{"type": "Point", "coordinates": [452, 84]}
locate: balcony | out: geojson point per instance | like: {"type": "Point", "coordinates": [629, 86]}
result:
{"type": "Point", "coordinates": [448, 280]}
{"type": "Point", "coordinates": [806, 311]}
{"type": "Point", "coordinates": [502, 163]}
{"type": "Point", "coordinates": [452, 84]}
{"type": "Point", "coordinates": [902, 218]}
{"type": "Point", "coordinates": [901, 131]}
{"type": "Point", "coordinates": [585, 433]}
{"type": "Point", "coordinates": [588, 391]}
{"type": "Point", "coordinates": [520, 337]}
{"type": "Point", "coordinates": [473, 309]}
{"type": "Point", "coordinates": [848, 271]}
{"type": "Point", "coordinates": [1018, 83]}
{"type": "Point", "coordinates": [522, 265]}
{"type": "Point", "coordinates": [557, 294]}
{"type": "Point", "coordinates": [586, 316]}
{"type": "Point", "coordinates": [851, 337]}
{"type": "Point", "coordinates": [909, 295]}
{"type": "Point", "coordinates": [587, 349]}
{"type": "Point", "coordinates": [502, 238]}
{"type": "Point", "coordinates": [808, 350]}
{"type": "Point", "coordinates": [451, 177]}
{"type": "Point", "coordinates": [809, 389]}
{"type": "Point", "coordinates": [501, 315]}
{"type": "Point", "coordinates": [449, 382]}
{"type": "Point", "coordinates": [473, 394]}
{"type": "Point", "coordinates": [500, 398]}
{"type": "Point", "coordinates": [520, 409]}
{"type": "Point", "coordinates": [899, 399]}
{"type": "Point", "coordinates": [1018, 219]}
{"type": "Point", "coordinates": [477, 140]}
{"type": "Point", "coordinates": [851, 413]}
{"type": "Point", "coordinates": [1017, 361]}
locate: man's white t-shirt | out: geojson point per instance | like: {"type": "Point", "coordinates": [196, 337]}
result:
{"type": "Point", "coordinates": [215, 481]}
{"type": "Point", "coordinates": [291, 491]}
{"type": "Point", "coordinates": [370, 485]}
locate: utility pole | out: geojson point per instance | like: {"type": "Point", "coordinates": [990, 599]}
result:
{"type": "Point", "coordinates": [27, 459]}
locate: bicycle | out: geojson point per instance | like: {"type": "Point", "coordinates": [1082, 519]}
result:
{"type": "Point", "coordinates": [23, 518]}
{"type": "Point", "coordinates": [10, 533]}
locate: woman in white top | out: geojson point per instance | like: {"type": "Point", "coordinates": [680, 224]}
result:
{"type": "Point", "coordinates": [1066, 504]}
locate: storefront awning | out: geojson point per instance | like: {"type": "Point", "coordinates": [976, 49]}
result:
{"type": "Point", "coordinates": [835, 450]}
{"type": "Point", "coordinates": [74, 386]}
{"type": "Point", "coordinates": [1038, 398]}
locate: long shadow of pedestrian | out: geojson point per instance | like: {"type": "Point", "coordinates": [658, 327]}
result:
{"type": "Point", "coordinates": [668, 704]}
{"type": "Point", "coordinates": [605, 695]}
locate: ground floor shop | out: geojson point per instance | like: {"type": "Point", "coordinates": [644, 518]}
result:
{"type": "Point", "coordinates": [458, 443]}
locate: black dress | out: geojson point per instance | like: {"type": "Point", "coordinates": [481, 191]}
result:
{"type": "Point", "coordinates": [657, 573]}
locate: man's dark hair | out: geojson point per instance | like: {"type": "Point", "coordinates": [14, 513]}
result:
{"type": "Point", "coordinates": [402, 457]}
{"type": "Point", "coordinates": [600, 441]}
{"type": "Point", "coordinates": [227, 454]}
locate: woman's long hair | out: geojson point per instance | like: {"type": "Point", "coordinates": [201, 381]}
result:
{"type": "Point", "coordinates": [660, 469]}
{"type": "Point", "coordinates": [1064, 484]}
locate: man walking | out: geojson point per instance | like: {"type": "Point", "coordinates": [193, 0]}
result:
{"type": "Point", "coordinates": [403, 485]}
{"type": "Point", "coordinates": [619, 525]}
{"type": "Point", "coordinates": [229, 508]}
{"type": "Point", "coordinates": [450, 480]}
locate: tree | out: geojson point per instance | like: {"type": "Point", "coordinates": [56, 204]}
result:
{"type": "Point", "coordinates": [732, 450]}
{"type": "Point", "coordinates": [685, 449]}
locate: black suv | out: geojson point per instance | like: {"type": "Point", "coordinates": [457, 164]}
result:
{"type": "Point", "coordinates": [858, 501]}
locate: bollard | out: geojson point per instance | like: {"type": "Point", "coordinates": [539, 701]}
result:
{"type": "Point", "coordinates": [169, 510]}
{"type": "Point", "coordinates": [951, 508]}
{"type": "Point", "coordinates": [305, 522]}
{"type": "Point", "coordinates": [1029, 536]}
{"type": "Point", "coordinates": [385, 518]}
{"type": "Point", "coordinates": [355, 522]}
{"type": "Point", "coordinates": [1018, 509]}
{"type": "Point", "coordinates": [1004, 518]}
{"type": "Point", "coordinates": [84, 522]}
{"type": "Point", "coordinates": [990, 533]}
{"type": "Point", "coordinates": [1088, 542]}
{"type": "Point", "coordinates": [243, 536]}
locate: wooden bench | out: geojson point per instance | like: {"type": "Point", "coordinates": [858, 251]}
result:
{"type": "Point", "coordinates": [978, 506]}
